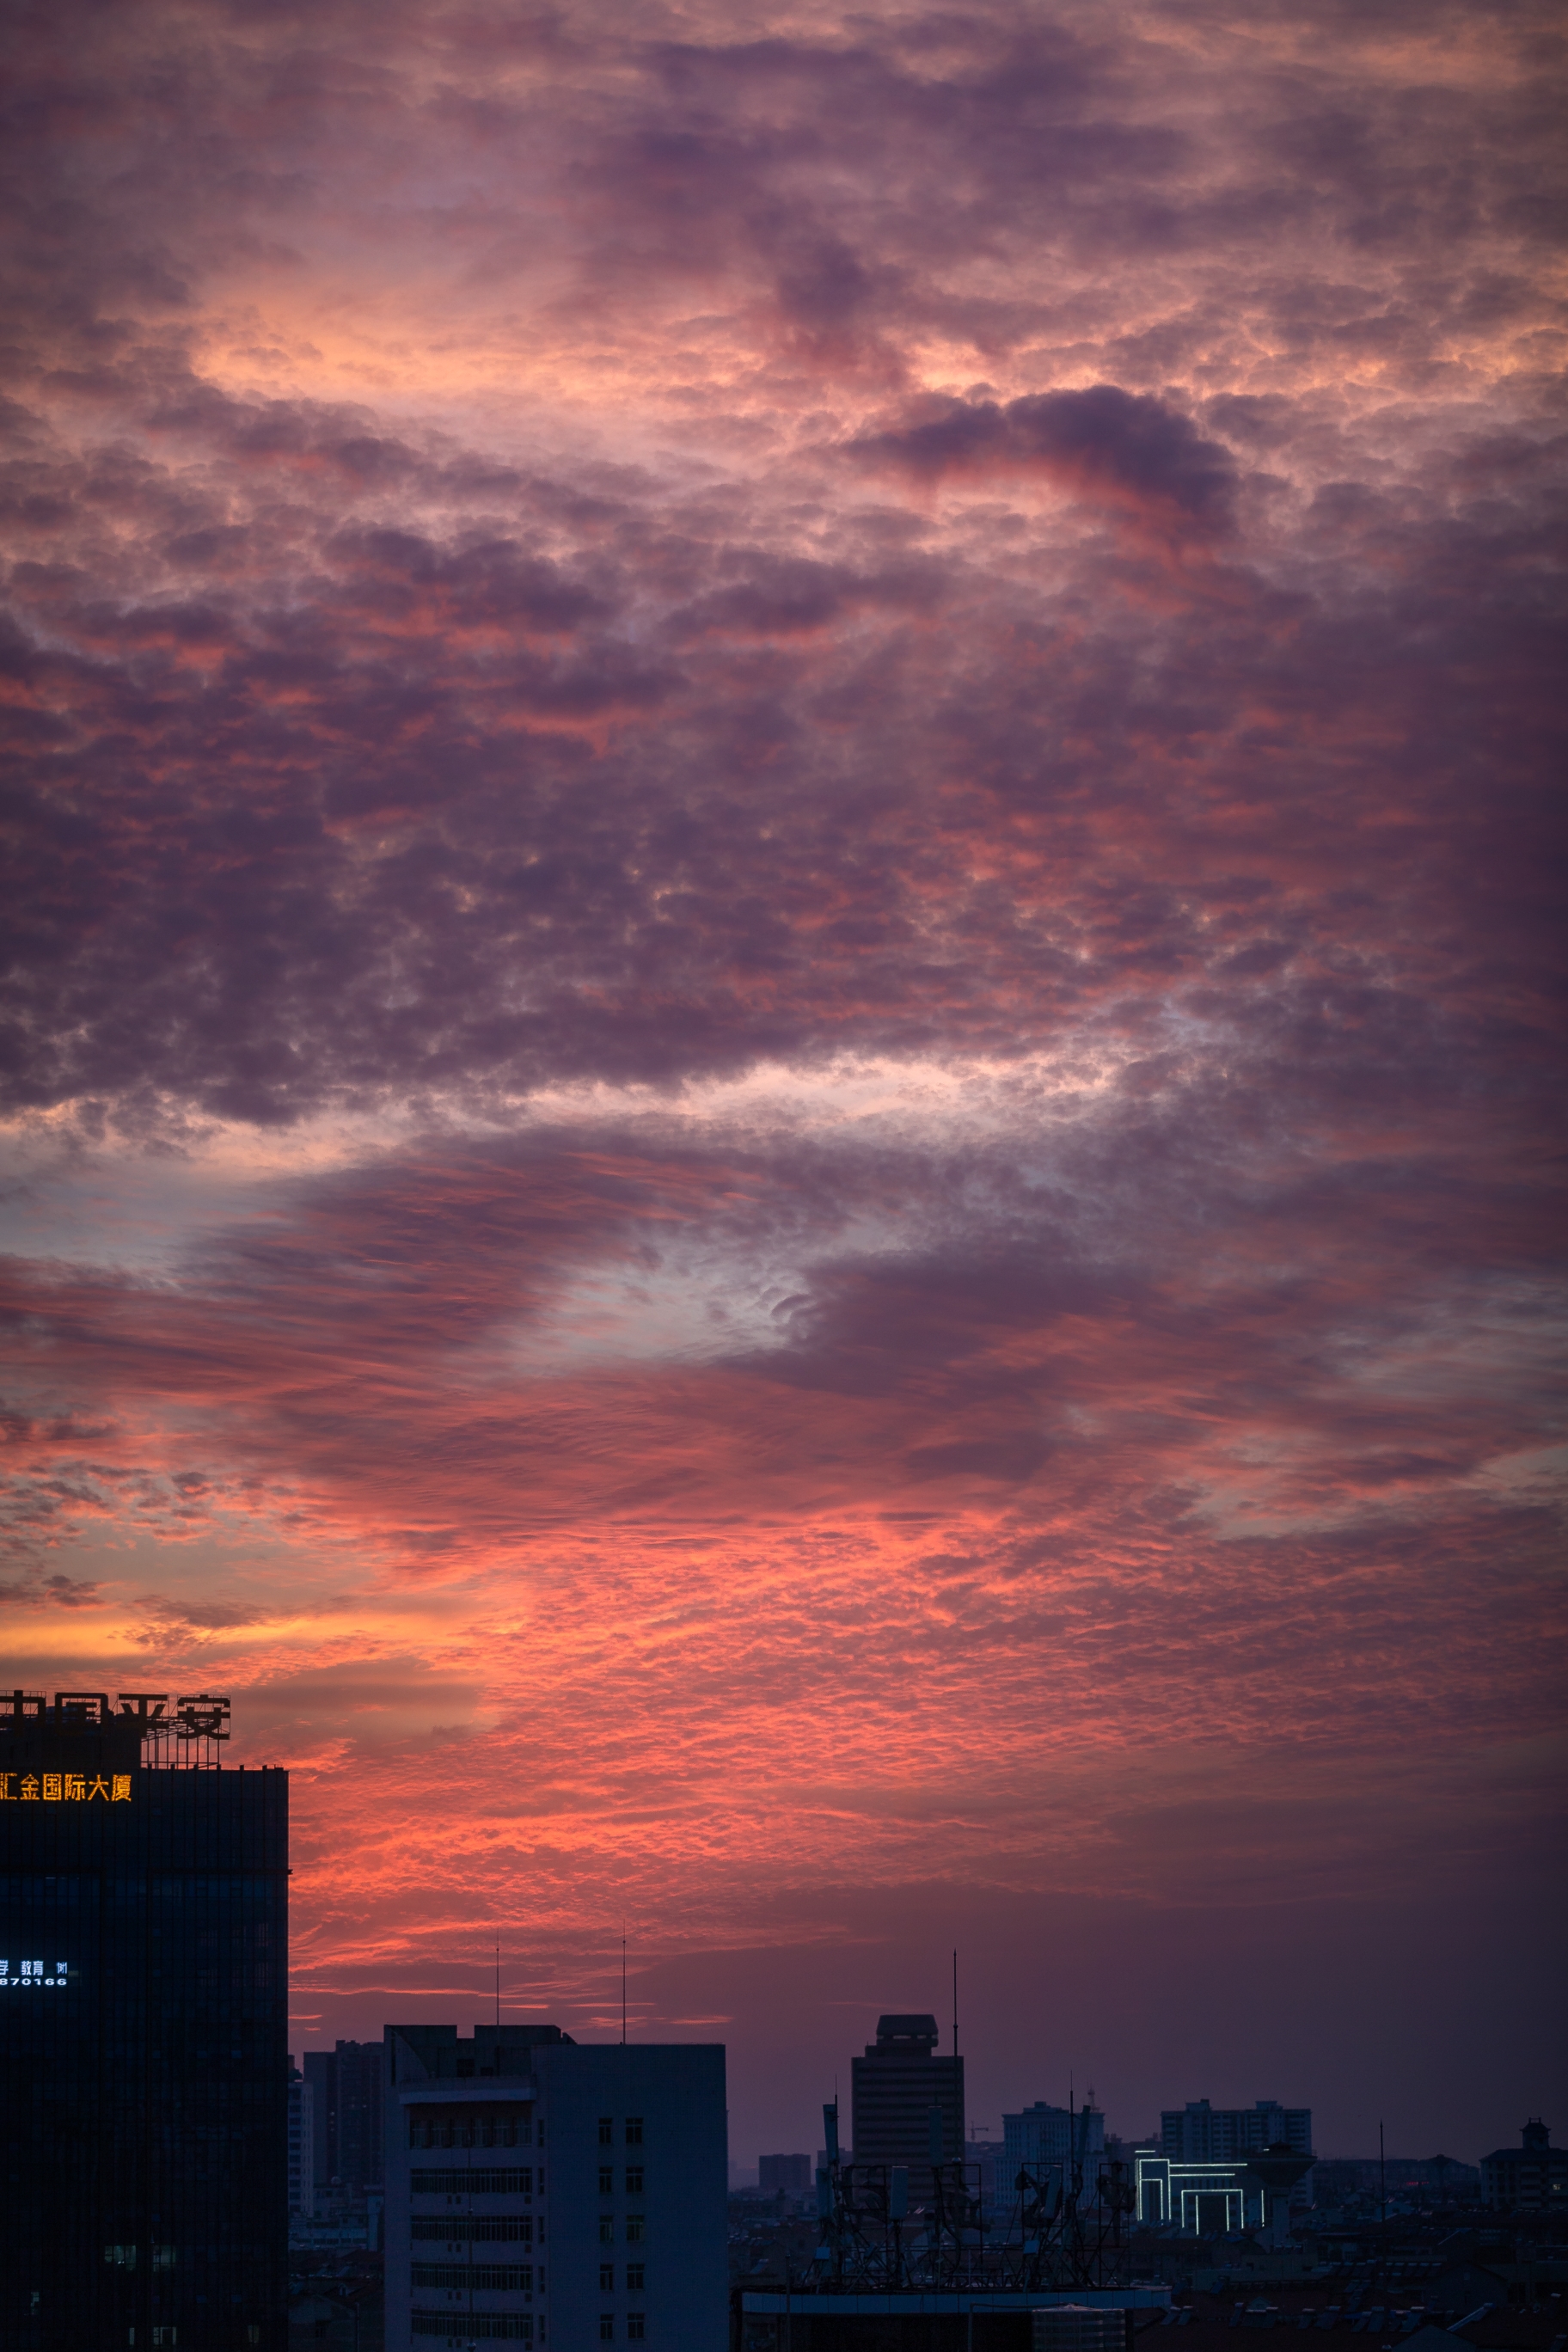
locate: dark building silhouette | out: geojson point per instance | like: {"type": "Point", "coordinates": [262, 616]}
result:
{"type": "Point", "coordinates": [786, 2175]}
{"type": "Point", "coordinates": [1201, 2133]}
{"type": "Point", "coordinates": [1532, 2178]}
{"type": "Point", "coordinates": [908, 2101]}
{"type": "Point", "coordinates": [346, 2097]}
{"type": "Point", "coordinates": [144, 2059]}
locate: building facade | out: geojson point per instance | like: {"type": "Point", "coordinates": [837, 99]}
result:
{"type": "Point", "coordinates": [301, 2145]}
{"type": "Point", "coordinates": [784, 2175]}
{"type": "Point", "coordinates": [908, 2104]}
{"type": "Point", "coordinates": [1532, 2178]}
{"type": "Point", "coordinates": [144, 2003]}
{"type": "Point", "coordinates": [1200, 2134]}
{"type": "Point", "coordinates": [1042, 2139]}
{"type": "Point", "coordinates": [543, 2192]}
{"type": "Point", "coordinates": [346, 2090]}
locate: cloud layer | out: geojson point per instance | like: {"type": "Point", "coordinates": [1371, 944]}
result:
{"type": "Point", "coordinates": [779, 1031]}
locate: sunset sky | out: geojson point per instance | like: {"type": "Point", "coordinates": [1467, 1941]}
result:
{"type": "Point", "coordinates": [782, 1033]}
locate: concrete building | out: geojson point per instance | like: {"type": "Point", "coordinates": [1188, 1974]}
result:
{"type": "Point", "coordinates": [540, 2190]}
{"type": "Point", "coordinates": [1199, 2133]}
{"type": "Point", "coordinates": [1532, 2178]}
{"type": "Point", "coordinates": [908, 2104]}
{"type": "Point", "coordinates": [785, 2176]}
{"type": "Point", "coordinates": [302, 2143]}
{"type": "Point", "coordinates": [1043, 2138]}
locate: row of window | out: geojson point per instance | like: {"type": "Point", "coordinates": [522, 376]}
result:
{"type": "Point", "coordinates": [607, 2179]}
{"type": "Point", "coordinates": [491, 2327]}
{"type": "Point", "coordinates": [636, 2229]}
{"type": "Point", "coordinates": [636, 2327]}
{"type": "Point", "coordinates": [635, 2277]}
{"type": "Point", "coordinates": [467, 2134]}
{"type": "Point", "coordinates": [477, 2181]}
{"type": "Point", "coordinates": [493, 2277]}
{"type": "Point", "coordinates": [607, 2131]}
{"type": "Point", "coordinates": [515, 2228]}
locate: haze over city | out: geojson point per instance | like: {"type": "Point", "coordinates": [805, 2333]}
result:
{"type": "Point", "coordinates": [781, 1046]}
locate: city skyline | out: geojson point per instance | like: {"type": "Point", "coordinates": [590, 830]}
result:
{"type": "Point", "coordinates": [781, 1047]}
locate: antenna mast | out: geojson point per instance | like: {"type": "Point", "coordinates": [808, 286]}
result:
{"type": "Point", "coordinates": [498, 1990]}
{"type": "Point", "coordinates": [622, 1984]}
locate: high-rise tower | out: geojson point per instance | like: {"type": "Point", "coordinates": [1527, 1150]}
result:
{"type": "Point", "coordinates": [144, 2003]}
{"type": "Point", "coordinates": [908, 2101]}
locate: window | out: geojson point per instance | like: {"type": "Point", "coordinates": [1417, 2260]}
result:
{"type": "Point", "coordinates": [634, 2180]}
{"type": "Point", "coordinates": [634, 2131]}
{"type": "Point", "coordinates": [634, 2228]}
{"type": "Point", "coordinates": [607, 2229]}
{"type": "Point", "coordinates": [607, 2278]}
{"type": "Point", "coordinates": [606, 2131]}
{"type": "Point", "coordinates": [607, 2327]}
{"type": "Point", "coordinates": [607, 2179]}
{"type": "Point", "coordinates": [633, 2278]}
{"type": "Point", "coordinates": [634, 2328]}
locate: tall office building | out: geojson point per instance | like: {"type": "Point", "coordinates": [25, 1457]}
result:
{"type": "Point", "coordinates": [908, 2102]}
{"type": "Point", "coordinates": [346, 2084]}
{"type": "Point", "coordinates": [144, 2059]}
{"type": "Point", "coordinates": [543, 2192]}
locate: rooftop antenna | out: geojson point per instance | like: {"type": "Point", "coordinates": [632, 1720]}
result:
{"type": "Point", "coordinates": [622, 1984]}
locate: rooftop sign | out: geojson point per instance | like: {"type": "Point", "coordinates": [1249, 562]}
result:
{"type": "Point", "coordinates": [200, 1717]}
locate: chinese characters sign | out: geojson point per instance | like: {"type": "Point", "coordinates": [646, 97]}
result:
{"type": "Point", "coordinates": [199, 1716]}
{"type": "Point", "coordinates": [64, 1788]}
{"type": "Point", "coordinates": [32, 1978]}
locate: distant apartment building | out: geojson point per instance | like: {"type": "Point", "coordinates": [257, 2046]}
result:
{"type": "Point", "coordinates": [346, 2091]}
{"type": "Point", "coordinates": [1199, 2177]}
{"type": "Point", "coordinates": [302, 2143]}
{"type": "Point", "coordinates": [1200, 2134]}
{"type": "Point", "coordinates": [785, 2176]}
{"type": "Point", "coordinates": [543, 2192]}
{"type": "Point", "coordinates": [1043, 2138]}
{"type": "Point", "coordinates": [908, 2104]}
{"type": "Point", "coordinates": [1532, 2178]}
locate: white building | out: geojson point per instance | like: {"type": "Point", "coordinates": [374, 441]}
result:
{"type": "Point", "coordinates": [544, 2191]}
